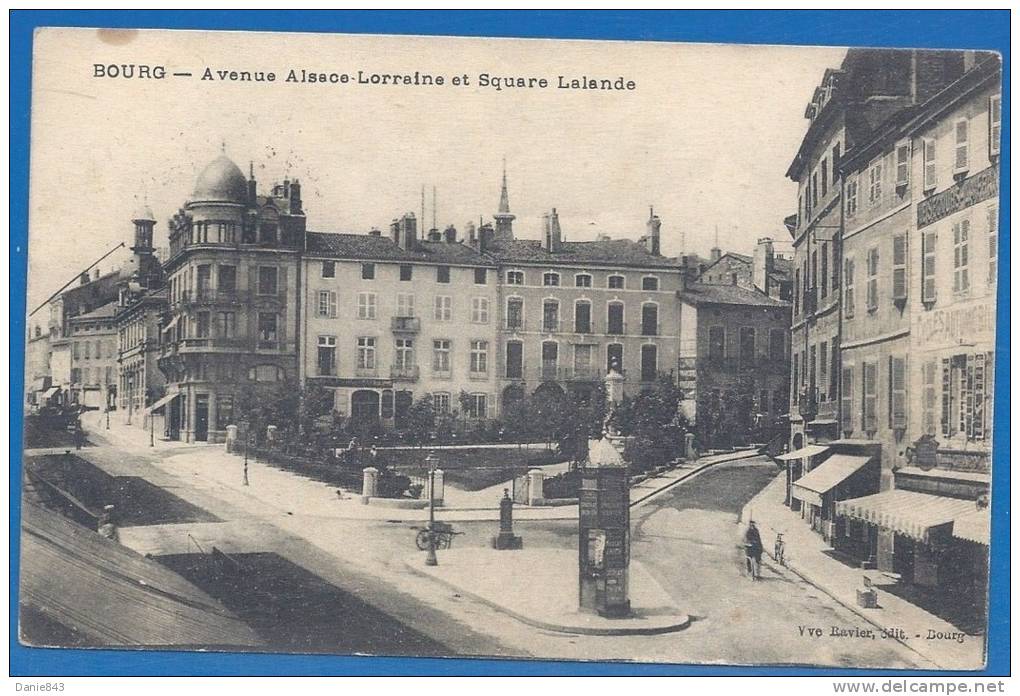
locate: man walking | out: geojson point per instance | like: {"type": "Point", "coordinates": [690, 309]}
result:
{"type": "Point", "coordinates": [753, 549]}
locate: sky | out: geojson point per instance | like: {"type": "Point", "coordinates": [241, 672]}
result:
{"type": "Point", "coordinates": [705, 136]}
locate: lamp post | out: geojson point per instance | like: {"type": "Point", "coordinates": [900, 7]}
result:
{"type": "Point", "coordinates": [430, 558]}
{"type": "Point", "coordinates": [107, 416]}
{"type": "Point", "coordinates": [131, 396]}
{"type": "Point", "coordinates": [244, 481]}
{"type": "Point", "coordinates": [152, 427]}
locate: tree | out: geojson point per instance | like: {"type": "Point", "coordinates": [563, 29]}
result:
{"type": "Point", "coordinates": [725, 417]}
{"type": "Point", "coordinates": [655, 424]}
{"type": "Point", "coordinates": [421, 419]}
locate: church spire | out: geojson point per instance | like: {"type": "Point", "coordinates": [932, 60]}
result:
{"type": "Point", "coordinates": [504, 218]}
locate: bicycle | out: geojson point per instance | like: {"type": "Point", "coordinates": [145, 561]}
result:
{"type": "Point", "coordinates": [779, 553]}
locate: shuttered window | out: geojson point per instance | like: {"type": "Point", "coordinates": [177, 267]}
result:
{"type": "Point", "coordinates": [902, 164]}
{"type": "Point", "coordinates": [993, 244]}
{"type": "Point", "coordinates": [870, 392]}
{"type": "Point", "coordinates": [872, 287]}
{"type": "Point", "coordinates": [928, 404]}
{"type": "Point", "coordinates": [899, 267]}
{"type": "Point", "coordinates": [928, 266]}
{"type": "Point", "coordinates": [930, 166]}
{"type": "Point", "coordinates": [994, 124]}
{"type": "Point", "coordinates": [848, 288]}
{"type": "Point", "coordinates": [961, 159]}
{"type": "Point", "coordinates": [847, 403]}
{"type": "Point", "coordinates": [897, 393]}
{"type": "Point", "coordinates": [961, 256]}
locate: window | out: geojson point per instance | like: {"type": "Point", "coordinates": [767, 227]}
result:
{"type": "Point", "coordinates": [479, 310]}
{"type": "Point", "coordinates": [443, 308]}
{"type": "Point", "coordinates": [777, 345]}
{"type": "Point", "coordinates": [550, 359]}
{"type": "Point", "coordinates": [899, 267]}
{"type": "Point", "coordinates": [327, 355]}
{"type": "Point", "coordinates": [478, 406]}
{"type": "Point", "coordinates": [961, 274]}
{"type": "Point", "coordinates": [226, 324]}
{"type": "Point", "coordinates": [614, 357]}
{"type": "Point", "coordinates": [961, 158]}
{"type": "Point", "coordinates": [902, 164]}
{"type": "Point", "coordinates": [99, 350]}
{"type": "Point", "coordinates": [616, 282]}
{"type": "Point", "coordinates": [966, 387]}
{"type": "Point", "coordinates": [833, 368]}
{"type": "Point", "coordinates": [404, 356]}
{"type": "Point", "coordinates": [796, 291]}
{"type": "Point", "coordinates": [366, 353]}
{"type": "Point", "coordinates": [202, 326]}
{"type": "Point", "coordinates": [823, 369]}
{"type": "Point", "coordinates": [327, 304]}
{"type": "Point", "coordinates": [928, 267]}
{"type": "Point", "coordinates": [994, 124]}
{"type": "Point", "coordinates": [847, 403]}
{"type": "Point", "coordinates": [823, 278]}
{"type": "Point", "coordinates": [481, 276]}
{"type": "Point", "coordinates": [931, 171]}
{"type": "Point", "coordinates": [514, 360]}
{"type": "Point", "coordinates": [442, 274]}
{"type": "Point", "coordinates": [928, 402]}
{"type": "Point", "coordinates": [795, 384]}
{"type": "Point", "coordinates": [870, 383]}
{"type": "Point", "coordinates": [716, 343]}
{"type": "Point", "coordinates": [747, 355]}
{"type": "Point", "coordinates": [479, 357]}
{"type": "Point", "coordinates": [267, 280]}
{"type": "Point", "coordinates": [650, 283]}
{"type": "Point", "coordinates": [871, 293]}
{"type": "Point", "coordinates": [649, 363]}
{"type": "Point", "coordinates": [825, 176]}
{"type": "Point", "coordinates": [583, 359]}
{"type": "Point", "coordinates": [649, 319]}
{"type": "Point", "coordinates": [441, 355]}
{"type": "Point", "coordinates": [835, 162]}
{"type": "Point", "coordinates": [851, 197]}
{"type": "Point", "coordinates": [875, 184]}
{"type": "Point", "coordinates": [406, 271]}
{"type": "Point", "coordinates": [203, 280]}
{"type": "Point", "coordinates": [405, 304]}
{"type": "Point", "coordinates": [582, 317]}
{"type": "Point", "coordinates": [329, 269]}
{"type": "Point", "coordinates": [897, 392]}
{"type": "Point", "coordinates": [515, 313]}
{"type": "Point", "coordinates": [267, 233]}
{"type": "Point", "coordinates": [515, 277]}
{"type": "Point", "coordinates": [441, 402]}
{"type": "Point", "coordinates": [614, 319]}
{"type": "Point", "coordinates": [814, 189]}
{"type": "Point", "coordinates": [582, 280]}
{"type": "Point", "coordinates": [551, 279]}
{"type": "Point", "coordinates": [226, 278]}
{"type": "Point", "coordinates": [368, 271]}
{"type": "Point", "coordinates": [993, 244]}
{"type": "Point", "coordinates": [551, 315]}
{"type": "Point", "coordinates": [366, 305]}
{"type": "Point", "coordinates": [267, 330]}
{"type": "Point", "coordinates": [265, 373]}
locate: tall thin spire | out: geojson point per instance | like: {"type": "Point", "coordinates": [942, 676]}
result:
{"type": "Point", "coordinates": [504, 197]}
{"type": "Point", "coordinates": [504, 218]}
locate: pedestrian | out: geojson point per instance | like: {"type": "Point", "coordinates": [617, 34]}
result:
{"type": "Point", "coordinates": [79, 435]}
{"type": "Point", "coordinates": [753, 549]}
{"type": "Point", "coordinates": [107, 527]}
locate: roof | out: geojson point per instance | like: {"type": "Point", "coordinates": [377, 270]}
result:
{"type": "Point", "coordinates": [809, 451]}
{"type": "Point", "coordinates": [974, 526]}
{"type": "Point", "coordinates": [107, 311]}
{"type": "Point", "coordinates": [832, 472]}
{"type": "Point", "coordinates": [706, 293]}
{"type": "Point", "coordinates": [113, 594]}
{"type": "Point", "coordinates": [380, 248]}
{"type": "Point", "coordinates": [610, 252]}
{"type": "Point", "coordinates": [221, 181]}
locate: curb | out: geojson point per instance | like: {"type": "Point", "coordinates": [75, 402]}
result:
{"type": "Point", "coordinates": [697, 470]}
{"type": "Point", "coordinates": [557, 628]}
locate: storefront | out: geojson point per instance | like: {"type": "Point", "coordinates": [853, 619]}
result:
{"type": "Point", "coordinates": [839, 477]}
{"type": "Point", "coordinates": [798, 463]}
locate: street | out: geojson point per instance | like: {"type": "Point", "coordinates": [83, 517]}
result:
{"type": "Point", "coordinates": [341, 584]}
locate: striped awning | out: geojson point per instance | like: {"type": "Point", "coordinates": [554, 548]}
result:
{"type": "Point", "coordinates": [823, 478]}
{"type": "Point", "coordinates": [809, 451]}
{"type": "Point", "coordinates": [974, 526]}
{"type": "Point", "coordinates": [906, 512]}
{"type": "Point", "coordinates": [163, 402]}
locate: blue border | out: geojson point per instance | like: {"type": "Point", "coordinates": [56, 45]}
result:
{"type": "Point", "coordinates": [936, 29]}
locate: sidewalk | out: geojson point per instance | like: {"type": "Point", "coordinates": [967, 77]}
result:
{"type": "Point", "coordinates": [806, 556]}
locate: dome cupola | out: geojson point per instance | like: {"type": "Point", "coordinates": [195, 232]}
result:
{"type": "Point", "coordinates": [221, 182]}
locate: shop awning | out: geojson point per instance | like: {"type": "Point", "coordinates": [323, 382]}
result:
{"type": "Point", "coordinates": [974, 526]}
{"type": "Point", "coordinates": [163, 402]}
{"type": "Point", "coordinates": [172, 324]}
{"type": "Point", "coordinates": [809, 451]}
{"type": "Point", "coordinates": [51, 392]}
{"type": "Point", "coordinates": [823, 478]}
{"type": "Point", "coordinates": [905, 512]}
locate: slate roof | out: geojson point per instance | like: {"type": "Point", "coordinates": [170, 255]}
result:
{"type": "Point", "coordinates": [372, 248]}
{"type": "Point", "coordinates": [107, 311]}
{"type": "Point", "coordinates": [705, 293]}
{"type": "Point", "coordinates": [611, 252]}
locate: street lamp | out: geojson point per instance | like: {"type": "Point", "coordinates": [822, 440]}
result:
{"type": "Point", "coordinates": [430, 558]}
{"type": "Point", "coordinates": [131, 396]}
{"type": "Point", "coordinates": [107, 416]}
{"type": "Point", "coordinates": [152, 427]}
{"type": "Point", "coordinates": [244, 481]}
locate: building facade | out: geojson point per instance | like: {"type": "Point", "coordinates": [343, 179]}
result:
{"type": "Point", "coordinates": [141, 383]}
{"type": "Point", "coordinates": [93, 350]}
{"type": "Point", "coordinates": [765, 271]}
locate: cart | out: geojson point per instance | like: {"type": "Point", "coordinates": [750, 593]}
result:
{"type": "Point", "coordinates": [442, 532]}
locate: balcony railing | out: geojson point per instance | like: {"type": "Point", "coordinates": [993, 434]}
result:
{"type": "Point", "coordinates": [515, 324]}
{"type": "Point", "coordinates": [405, 373]}
{"type": "Point", "coordinates": [584, 327]}
{"type": "Point", "coordinates": [550, 325]}
{"type": "Point", "coordinates": [366, 372]}
{"type": "Point", "coordinates": [405, 324]}
{"type": "Point", "coordinates": [213, 296]}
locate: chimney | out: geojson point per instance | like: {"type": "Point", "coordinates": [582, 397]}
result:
{"type": "Point", "coordinates": [295, 197]}
{"type": "Point", "coordinates": [469, 232]}
{"type": "Point", "coordinates": [84, 278]}
{"type": "Point", "coordinates": [435, 235]}
{"type": "Point", "coordinates": [450, 234]}
{"type": "Point", "coordinates": [95, 274]}
{"type": "Point", "coordinates": [395, 231]}
{"type": "Point", "coordinates": [552, 235]}
{"type": "Point", "coordinates": [485, 236]}
{"type": "Point", "coordinates": [252, 194]}
{"type": "Point", "coordinates": [375, 232]}
{"type": "Point", "coordinates": [408, 232]}
{"type": "Point", "coordinates": [763, 264]}
{"type": "Point", "coordinates": [716, 254]}
{"type": "Point", "coordinates": [652, 243]}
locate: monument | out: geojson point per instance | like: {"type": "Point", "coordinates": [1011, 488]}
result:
{"type": "Point", "coordinates": [506, 540]}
